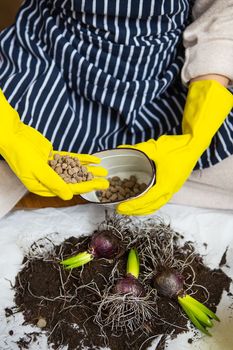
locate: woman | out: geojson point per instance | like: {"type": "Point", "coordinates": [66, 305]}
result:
{"type": "Point", "coordinates": [90, 75]}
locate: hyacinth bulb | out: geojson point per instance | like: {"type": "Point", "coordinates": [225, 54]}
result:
{"type": "Point", "coordinates": [169, 283]}
{"type": "Point", "coordinates": [104, 244]}
{"type": "Point", "coordinates": [129, 285]}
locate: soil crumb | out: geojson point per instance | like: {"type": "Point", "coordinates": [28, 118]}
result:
{"type": "Point", "coordinates": [223, 260]}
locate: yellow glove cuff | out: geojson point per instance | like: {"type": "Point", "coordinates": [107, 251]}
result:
{"type": "Point", "coordinates": [208, 104]}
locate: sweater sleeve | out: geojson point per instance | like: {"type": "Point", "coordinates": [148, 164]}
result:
{"type": "Point", "coordinates": [208, 41]}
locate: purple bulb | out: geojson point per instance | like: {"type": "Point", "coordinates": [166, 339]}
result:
{"type": "Point", "coordinates": [129, 285]}
{"type": "Point", "coordinates": [169, 283]}
{"type": "Point", "coordinates": [104, 244]}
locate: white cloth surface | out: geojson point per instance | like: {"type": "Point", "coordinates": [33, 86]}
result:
{"type": "Point", "coordinates": [209, 188]}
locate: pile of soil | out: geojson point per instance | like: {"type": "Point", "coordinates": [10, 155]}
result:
{"type": "Point", "coordinates": [45, 291]}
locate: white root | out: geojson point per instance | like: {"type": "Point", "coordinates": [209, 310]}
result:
{"type": "Point", "coordinates": [124, 313]}
{"type": "Point", "coordinates": [156, 244]}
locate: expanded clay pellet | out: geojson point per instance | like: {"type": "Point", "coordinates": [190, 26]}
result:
{"type": "Point", "coordinates": [70, 169]}
{"type": "Point", "coordinates": [121, 189]}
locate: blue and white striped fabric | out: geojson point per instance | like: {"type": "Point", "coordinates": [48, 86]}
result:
{"type": "Point", "coordinates": [93, 74]}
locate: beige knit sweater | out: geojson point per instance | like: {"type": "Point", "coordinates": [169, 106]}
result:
{"type": "Point", "coordinates": [209, 40]}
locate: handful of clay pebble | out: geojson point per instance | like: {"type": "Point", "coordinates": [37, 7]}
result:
{"type": "Point", "coordinates": [70, 169]}
{"type": "Point", "coordinates": [121, 189]}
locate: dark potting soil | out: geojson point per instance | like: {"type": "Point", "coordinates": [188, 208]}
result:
{"type": "Point", "coordinates": [43, 289]}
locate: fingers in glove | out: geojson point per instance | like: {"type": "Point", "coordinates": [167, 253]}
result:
{"type": "Point", "coordinates": [97, 170]}
{"type": "Point", "coordinates": [48, 177]}
{"type": "Point", "coordinates": [84, 158]}
{"type": "Point", "coordinates": [38, 188]}
{"type": "Point", "coordinates": [152, 207]}
{"type": "Point", "coordinates": [34, 186]}
{"type": "Point", "coordinates": [145, 204]}
{"type": "Point", "coordinates": [88, 186]}
{"type": "Point", "coordinates": [132, 205]}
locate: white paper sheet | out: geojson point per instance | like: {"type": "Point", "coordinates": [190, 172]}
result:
{"type": "Point", "coordinates": [21, 228]}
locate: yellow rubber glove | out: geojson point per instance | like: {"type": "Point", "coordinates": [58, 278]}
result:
{"type": "Point", "coordinates": [208, 104]}
{"type": "Point", "coordinates": [27, 152]}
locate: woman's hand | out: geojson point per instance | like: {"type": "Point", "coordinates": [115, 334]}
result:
{"type": "Point", "coordinates": [207, 105]}
{"type": "Point", "coordinates": [27, 152]}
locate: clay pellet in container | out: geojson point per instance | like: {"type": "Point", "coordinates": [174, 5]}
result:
{"type": "Point", "coordinates": [121, 189]}
{"type": "Point", "coordinates": [70, 169]}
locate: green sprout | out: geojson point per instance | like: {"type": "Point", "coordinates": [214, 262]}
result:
{"type": "Point", "coordinates": [133, 265]}
{"type": "Point", "coordinates": [170, 283]}
{"type": "Point", "coordinates": [200, 315]}
{"type": "Point", "coordinates": [77, 260]}
{"type": "Point", "coordinates": [130, 284]}
{"type": "Point", "coordinates": [104, 244]}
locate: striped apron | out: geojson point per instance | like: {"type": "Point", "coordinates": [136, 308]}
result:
{"type": "Point", "coordinates": [93, 74]}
